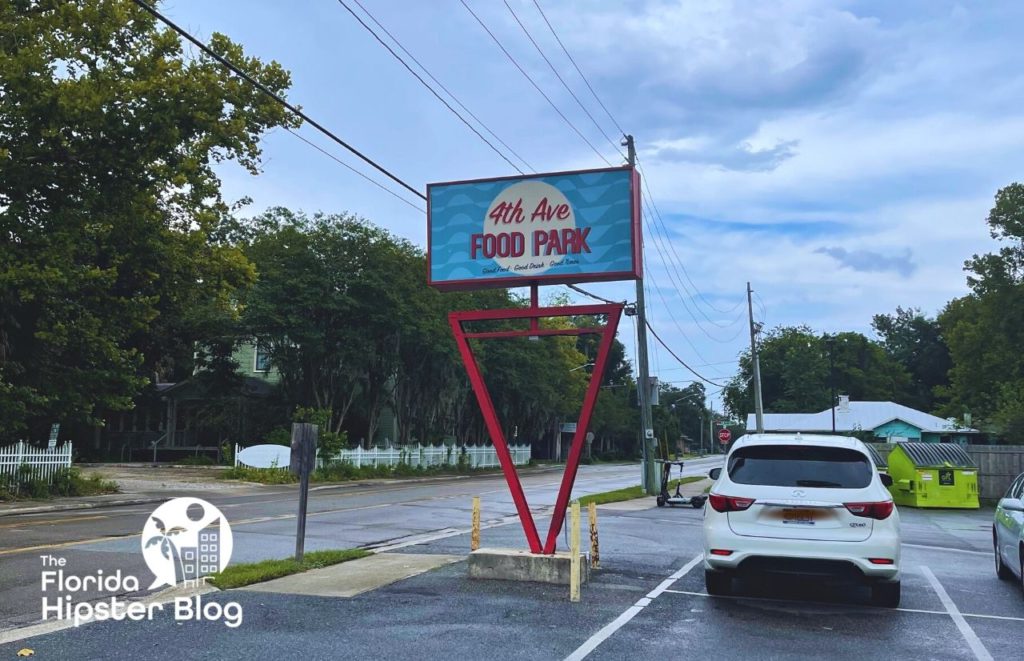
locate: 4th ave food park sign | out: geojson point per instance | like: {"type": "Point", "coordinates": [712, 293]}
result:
{"type": "Point", "coordinates": [540, 229]}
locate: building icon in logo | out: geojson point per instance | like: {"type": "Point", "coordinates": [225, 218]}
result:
{"type": "Point", "coordinates": [186, 539]}
{"type": "Point", "coordinates": [204, 558]}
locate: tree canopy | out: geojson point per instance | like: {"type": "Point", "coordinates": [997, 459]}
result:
{"type": "Point", "coordinates": [112, 262]}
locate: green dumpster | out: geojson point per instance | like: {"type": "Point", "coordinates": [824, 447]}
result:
{"type": "Point", "coordinates": [933, 475]}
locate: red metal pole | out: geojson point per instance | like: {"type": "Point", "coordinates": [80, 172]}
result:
{"type": "Point", "coordinates": [573, 462]}
{"type": "Point", "coordinates": [535, 305]}
{"type": "Point", "coordinates": [497, 437]}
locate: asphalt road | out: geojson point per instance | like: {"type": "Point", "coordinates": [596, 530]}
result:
{"type": "Point", "coordinates": [368, 514]}
{"type": "Point", "coordinates": [647, 601]}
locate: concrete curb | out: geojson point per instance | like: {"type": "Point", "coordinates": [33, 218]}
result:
{"type": "Point", "coordinates": [66, 507]}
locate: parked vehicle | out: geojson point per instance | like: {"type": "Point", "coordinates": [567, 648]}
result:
{"type": "Point", "coordinates": [1008, 533]}
{"type": "Point", "coordinates": [802, 504]}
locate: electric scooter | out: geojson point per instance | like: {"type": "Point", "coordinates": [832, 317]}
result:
{"type": "Point", "coordinates": [665, 498]}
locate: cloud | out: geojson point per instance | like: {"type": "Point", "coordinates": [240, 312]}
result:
{"type": "Point", "coordinates": [868, 261]}
{"type": "Point", "coordinates": [742, 157]}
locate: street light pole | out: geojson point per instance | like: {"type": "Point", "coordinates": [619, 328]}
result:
{"type": "Point", "coordinates": [756, 364]}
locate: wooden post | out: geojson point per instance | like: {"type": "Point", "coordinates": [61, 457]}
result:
{"type": "Point", "coordinates": [474, 538]}
{"type": "Point", "coordinates": [303, 459]}
{"type": "Point", "coordinates": [595, 553]}
{"type": "Point", "coordinates": [574, 551]}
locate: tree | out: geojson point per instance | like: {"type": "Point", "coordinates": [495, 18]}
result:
{"type": "Point", "coordinates": [112, 262]}
{"type": "Point", "coordinates": [330, 304]}
{"type": "Point", "coordinates": [796, 372]}
{"type": "Point", "coordinates": [916, 342]}
{"type": "Point", "coordinates": [985, 329]}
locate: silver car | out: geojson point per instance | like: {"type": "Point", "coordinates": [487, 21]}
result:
{"type": "Point", "coordinates": [1008, 533]}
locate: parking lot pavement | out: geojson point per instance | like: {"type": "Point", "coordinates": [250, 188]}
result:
{"type": "Point", "coordinates": [647, 601]}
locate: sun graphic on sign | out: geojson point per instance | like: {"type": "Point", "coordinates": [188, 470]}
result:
{"type": "Point", "coordinates": [529, 197]}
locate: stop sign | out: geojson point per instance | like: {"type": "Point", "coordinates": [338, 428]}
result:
{"type": "Point", "coordinates": [724, 436]}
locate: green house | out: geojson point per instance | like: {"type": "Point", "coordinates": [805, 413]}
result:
{"type": "Point", "coordinates": [933, 475]}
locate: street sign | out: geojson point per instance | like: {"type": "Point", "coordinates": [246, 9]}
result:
{"type": "Point", "coordinates": [54, 432]}
{"type": "Point", "coordinates": [724, 436]}
{"type": "Point", "coordinates": [561, 227]}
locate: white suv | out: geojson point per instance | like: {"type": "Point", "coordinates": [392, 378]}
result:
{"type": "Point", "coordinates": [802, 504]}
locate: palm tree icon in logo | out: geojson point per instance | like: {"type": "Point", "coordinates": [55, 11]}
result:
{"type": "Point", "coordinates": [169, 548]}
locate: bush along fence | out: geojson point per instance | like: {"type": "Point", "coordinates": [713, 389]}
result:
{"type": "Point", "coordinates": [43, 463]}
{"type": "Point", "coordinates": [424, 456]}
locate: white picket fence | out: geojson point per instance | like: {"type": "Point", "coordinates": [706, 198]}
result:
{"type": "Point", "coordinates": [43, 462]}
{"type": "Point", "coordinates": [425, 456]}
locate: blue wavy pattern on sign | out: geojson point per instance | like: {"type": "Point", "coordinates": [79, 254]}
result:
{"type": "Point", "coordinates": [600, 200]}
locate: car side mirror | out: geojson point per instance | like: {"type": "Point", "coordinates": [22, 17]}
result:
{"type": "Point", "coordinates": [886, 479]}
{"type": "Point", "coordinates": [714, 473]}
{"type": "Point", "coordinates": [1012, 504]}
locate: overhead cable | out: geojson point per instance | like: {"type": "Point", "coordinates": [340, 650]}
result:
{"type": "Point", "coordinates": [593, 296]}
{"type": "Point", "coordinates": [680, 360]}
{"type": "Point", "coordinates": [534, 83]}
{"type": "Point", "coordinates": [429, 88]}
{"type": "Point", "coordinates": [357, 172]}
{"type": "Point", "coordinates": [443, 87]}
{"type": "Point", "coordinates": [267, 91]}
{"type": "Point", "coordinates": [568, 89]}
{"type": "Point", "coordinates": [578, 70]}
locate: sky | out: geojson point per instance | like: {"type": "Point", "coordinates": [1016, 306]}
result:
{"type": "Point", "coordinates": [840, 156]}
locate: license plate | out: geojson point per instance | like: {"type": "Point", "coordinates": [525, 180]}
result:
{"type": "Point", "coordinates": [798, 517]}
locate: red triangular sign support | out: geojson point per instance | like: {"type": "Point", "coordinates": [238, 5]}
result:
{"type": "Point", "coordinates": [613, 313]}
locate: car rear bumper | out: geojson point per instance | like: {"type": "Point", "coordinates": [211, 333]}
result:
{"type": "Point", "coordinates": [803, 557]}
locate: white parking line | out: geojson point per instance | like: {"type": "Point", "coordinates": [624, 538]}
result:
{"type": "Point", "coordinates": [878, 608]}
{"type": "Point", "coordinates": [606, 632]}
{"type": "Point", "coordinates": [972, 639]}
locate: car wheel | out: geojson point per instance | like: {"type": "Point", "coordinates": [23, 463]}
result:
{"type": "Point", "coordinates": [886, 594]}
{"type": "Point", "coordinates": [718, 583]}
{"type": "Point", "coordinates": [1002, 571]}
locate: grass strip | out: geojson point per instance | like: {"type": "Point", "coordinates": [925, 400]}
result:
{"type": "Point", "coordinates": [630, 493]}
{"type": "Point", "coordinates": [236, 576]}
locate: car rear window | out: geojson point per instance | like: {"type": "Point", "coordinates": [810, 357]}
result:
{"type": "Point", "coordinates": [800, 466]}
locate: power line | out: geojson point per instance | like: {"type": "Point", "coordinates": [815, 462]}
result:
{"type": "Point", "coordinates": [534, 83]}
{"type": "Point", "coordinates": [682, 298]}
{"type": "Point", "coordinates": [680, 360]}
{"type": "Point", "coordinates": [593, 296]}
{"type": "Point", "coordinates": [344, 164]}
{"type": "Point", "coordinates": [672, 315]}
{"type": "Point", "coordinates": [443, 87]}
{"type": "Point", "coordinates": [657, 212]}
{"type": "Point", "coordinates": [266, 90]}
{"type": "Point", "coordinates": [562, 80]}
{"type": "Point", "coordinates": [578, 70]}
{"type": "Point", "coordinates": [427, 85]}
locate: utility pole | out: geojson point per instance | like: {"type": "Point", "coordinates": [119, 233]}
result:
{"type": "Point", "coordinates": [831, 342]}
{"type": "Point", "coordinates": [649, 476]}
{"type": "Point", "coordinates": [758, 405]}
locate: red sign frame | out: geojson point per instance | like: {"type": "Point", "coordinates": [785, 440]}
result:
{"type": "Point", "coordinates": [613, 312]}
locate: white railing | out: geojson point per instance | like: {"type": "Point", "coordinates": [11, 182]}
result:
{"type": "Point", "coordinates": [426, 456]}
{"type": "Point", "coordinates": [44, 462]}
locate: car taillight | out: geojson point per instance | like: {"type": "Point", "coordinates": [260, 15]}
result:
{"type": "Point", "coordinates": [878, 511]}
{"type": "Point", "coordinates": [729, 503]}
